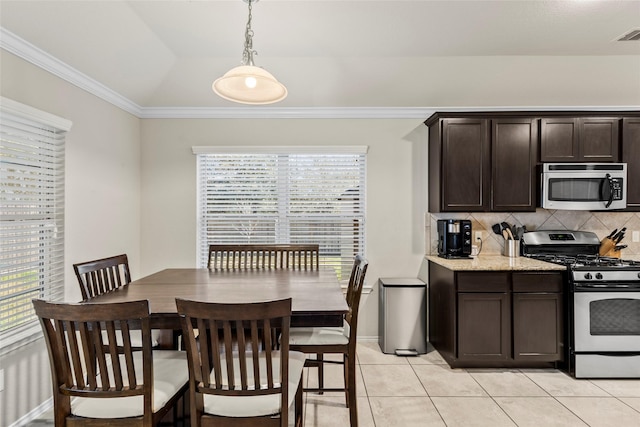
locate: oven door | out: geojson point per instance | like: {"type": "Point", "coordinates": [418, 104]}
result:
{"type": "Point", "coordinates": [607, 321]}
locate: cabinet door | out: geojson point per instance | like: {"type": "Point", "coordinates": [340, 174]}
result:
{"type": "Point", "coordinates": [559, 140]}
{"type": "Point", "coordinates": [514, 183]}
{"type": "Point", "coordinates": [537, 327]}
{"type": "Point", "coordinates": [599, 141]}
{"type": "Point", "coordinates": [484, 321]}
{"type": "Point", "coordinates": [631, 156]}
{"type": "Point", "coordinates": [466, 166]}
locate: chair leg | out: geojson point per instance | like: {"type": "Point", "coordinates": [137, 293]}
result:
{"type": "Point", "coordinates": [350, 386]}
{"type": "Point", "coordinates": [345, 374]}
{"type": "Point", "coordinates": [299, 407]}
{"type": "Point", "coordinates": [320, 358]}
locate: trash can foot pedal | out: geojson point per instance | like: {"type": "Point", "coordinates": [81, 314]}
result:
{"type": "Point", "coordinates": [406, 352]}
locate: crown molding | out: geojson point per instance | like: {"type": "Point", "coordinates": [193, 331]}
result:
{"type": "Point", "coordinates": [27, 51]}
{"type": "Point", "coordinates": [285, 113]}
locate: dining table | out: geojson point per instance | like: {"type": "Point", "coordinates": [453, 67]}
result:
{"type": "Point", "coordinates": [317, 297]}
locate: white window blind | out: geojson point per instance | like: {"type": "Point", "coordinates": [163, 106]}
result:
{"type": "Point", "coordinates": [32, 147]}
{"type": "Point", "coordinates": [280, 197]}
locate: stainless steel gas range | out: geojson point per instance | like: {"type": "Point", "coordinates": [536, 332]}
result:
{"type": "Point", "coordinates": [603, 303]}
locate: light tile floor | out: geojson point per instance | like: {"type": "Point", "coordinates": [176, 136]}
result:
{"type": "Point", "coordinates": [424, 391]}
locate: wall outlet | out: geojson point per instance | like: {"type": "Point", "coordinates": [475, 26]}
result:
{"type": "Point", "coordinates": [635, 236]}
{"type": "Point", "coordinates": [478, 235]}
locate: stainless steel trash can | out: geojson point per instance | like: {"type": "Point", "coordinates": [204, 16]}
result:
{"type": "Point", "coordinates": [402, 321]}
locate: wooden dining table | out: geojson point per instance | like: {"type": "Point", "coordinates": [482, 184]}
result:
{"type": "Point", "coordinates": [317, 298]}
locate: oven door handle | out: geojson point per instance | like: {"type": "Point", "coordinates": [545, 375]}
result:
{"type": "Point", "coordinates": [607, 190]}
{"type": "Point", "coordinates": [609, 287]}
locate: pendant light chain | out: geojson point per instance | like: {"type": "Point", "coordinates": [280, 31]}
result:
{"type": "Point", "coordinates": [247, 54]}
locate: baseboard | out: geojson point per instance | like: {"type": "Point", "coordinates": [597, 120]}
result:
{"type": "Point", "coordinates": [368, 339]}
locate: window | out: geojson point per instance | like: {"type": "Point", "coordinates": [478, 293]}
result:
{"type": "Point", "coordinates": [283, 195]}
{"type": "Point", "coordinates": [31, 215]}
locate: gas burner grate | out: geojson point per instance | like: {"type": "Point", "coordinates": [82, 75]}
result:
{"type": "Point", "coordinates": [575, 261]}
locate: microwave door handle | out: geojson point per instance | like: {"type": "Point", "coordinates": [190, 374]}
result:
{"type": "Point", "coordinates": [607, 190]}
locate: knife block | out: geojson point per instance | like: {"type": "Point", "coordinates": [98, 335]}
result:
{"type": "Point", "coordinates": [607, 247]}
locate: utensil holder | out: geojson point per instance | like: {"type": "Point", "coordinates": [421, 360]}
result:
{"type": "Point", "coordinates": [511, 248]}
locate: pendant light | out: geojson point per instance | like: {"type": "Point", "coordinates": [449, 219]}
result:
{"type": "Point", "coordinates": [247, 83]}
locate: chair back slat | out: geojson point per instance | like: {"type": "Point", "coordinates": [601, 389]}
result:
{"type": "Point", "coordinates": [275, 256]}
{"type": "Point", "coordinates": [255, 348]}
{"type": "Point", "coordinates": [268, 348]}
{"type": "Point", "coordinates": [242, 355]}
{"type": "Point", "coordinates": [103, 275]}
{"type": "Point", "coordinates": [228, 352]}
{"type": "Point", "coordinates": [235, 354]}
{"type": "Point", "coordinates": [75, 364]}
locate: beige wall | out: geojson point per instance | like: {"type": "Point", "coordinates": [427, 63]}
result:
{"type": "Point", "coordinates": [102, 212]}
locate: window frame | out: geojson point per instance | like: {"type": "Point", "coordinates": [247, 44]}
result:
{"type": "Point", "coordinates": [51, 143]}
{"type": "Point", "coordinates": [359, 153]}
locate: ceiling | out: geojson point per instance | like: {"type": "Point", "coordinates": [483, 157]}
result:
{"type": "Point", "coordinates": [390, 53]}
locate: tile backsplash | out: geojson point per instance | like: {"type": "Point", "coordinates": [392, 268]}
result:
{"type": "Point", "coordinates": [600, 223]}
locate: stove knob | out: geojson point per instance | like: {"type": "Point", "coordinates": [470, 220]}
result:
{"type": "Point", "coordinates": [587, 276]}
{"type": "Point", "coordinates": [599, 276]}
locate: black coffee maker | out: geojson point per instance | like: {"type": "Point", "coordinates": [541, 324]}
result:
{"type": "Point", "coordinates": [454, 238]}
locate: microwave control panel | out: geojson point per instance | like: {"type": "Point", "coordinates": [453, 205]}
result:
{"type": "Point", "coordinates": [616, 187]}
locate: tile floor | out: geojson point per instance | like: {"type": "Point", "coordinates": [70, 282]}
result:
{"type": "Point", "coordinates": [424, 391]}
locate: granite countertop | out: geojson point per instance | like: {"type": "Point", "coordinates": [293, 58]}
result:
{"type": "Point", "coordinates": [495, 263]}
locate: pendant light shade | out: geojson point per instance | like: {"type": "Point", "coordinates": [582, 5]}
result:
{"type": "Point", "coordinates": [247, 83]}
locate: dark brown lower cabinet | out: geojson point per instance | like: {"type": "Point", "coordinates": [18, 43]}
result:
{"type": "Point", "coordinates": [496, 318]}
{"type": "Point", "coordinates": [537, 331]}
{"type": "Point", "coordinates": [484, 326]}
{"type": "Point", "coordinates": [538, 319]}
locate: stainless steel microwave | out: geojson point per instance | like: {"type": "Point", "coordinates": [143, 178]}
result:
{"type": "Point", "coordinates": [584, 186]}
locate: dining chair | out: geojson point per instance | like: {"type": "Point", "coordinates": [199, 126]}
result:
{"type": "Point", "coordinates": [102, 275]}
{"type": "Point", "coordinates": [244, 256]}
{"type": "Point", "coordinates": [321, 341]}
{"type": "Point", "coordinates": [236, 376]}
{"type": "Point", "coordinates": [99, 378]}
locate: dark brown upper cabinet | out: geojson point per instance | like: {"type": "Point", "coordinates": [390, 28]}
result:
{"type": "Point", "coordinates": [488, 161]}
{"type": "Point", "coordinates": [559, 139]}
{"type": "Point", "coordinates": [482, 164]}
{"type": "Point", "coordinates": [514, 152]}
{"type": "Point", "coordinates": [459, 165]}
{"type": "Point", "coordinates": [575, 139]}
{"type": "Point", "coordinates": [631, 156]}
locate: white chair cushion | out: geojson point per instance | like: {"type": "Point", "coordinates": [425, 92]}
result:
{"type": "Point", "coordinates": [318, 336]}
{"type": "Point", "coordinates": [170, 373]}
{"type": "Point", "coordinates": [255, 406]}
